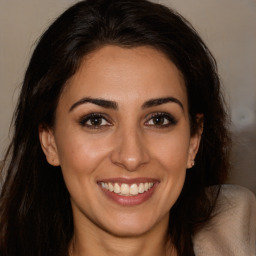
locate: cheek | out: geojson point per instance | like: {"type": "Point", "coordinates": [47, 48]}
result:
{"type": "Point", "coordinates": [80, 155]}
{"type": "Point", "coordinates": [80, 160]}
{"type": "Point", "coordinates": [171, 155]}
{"type": "Point", "coordinates": [172, 151]}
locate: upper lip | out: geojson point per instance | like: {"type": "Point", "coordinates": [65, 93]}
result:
{"type": "Point", "coordinates": [128, 180]}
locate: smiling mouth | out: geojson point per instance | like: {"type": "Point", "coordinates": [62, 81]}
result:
{"type": "Point", "coordinates": [125, 189]}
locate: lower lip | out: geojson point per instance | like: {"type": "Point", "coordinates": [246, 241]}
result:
{"type": "Point", "coordinates": [129, 200]}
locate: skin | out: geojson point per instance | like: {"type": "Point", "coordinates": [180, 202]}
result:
{"type": "Point", "coordinates": [128, 143]}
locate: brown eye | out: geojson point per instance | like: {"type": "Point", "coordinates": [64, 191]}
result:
{"type": "Point", "coordinates": [158, 120]}
{"type": "Point", "coordinates": [161, 120]}
{"type": "Point", "coordinates": [94, 121]}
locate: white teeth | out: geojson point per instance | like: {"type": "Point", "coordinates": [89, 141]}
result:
{"type": "Point", "coordinates": [141, 188]}
{"type": "Point", "coordinates": [110, 187]}
{"type": "Point", "coordinates": [134, 189]}
{"type": "Point", "coordinates": [127, 190]}
{"type": "Point", "coordinates": [117, 188]}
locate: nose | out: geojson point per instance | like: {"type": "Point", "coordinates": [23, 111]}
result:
{"type": "Point", "coordinates": [130, 151]}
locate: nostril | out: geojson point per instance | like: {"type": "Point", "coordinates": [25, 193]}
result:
{"type": "Point", "coordinates": [129, 161]}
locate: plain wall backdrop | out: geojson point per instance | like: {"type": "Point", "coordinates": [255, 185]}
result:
{"type": "Point", "coordinates": [227, 26]}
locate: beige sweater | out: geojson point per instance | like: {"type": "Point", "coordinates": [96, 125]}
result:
{"type": "Point", "coordinates": [232, 232]}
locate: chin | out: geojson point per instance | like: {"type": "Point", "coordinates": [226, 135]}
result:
{"type": "Point", "coordinates": [129, 231]}
{"type": "Point", "coordinates": [134, 226]}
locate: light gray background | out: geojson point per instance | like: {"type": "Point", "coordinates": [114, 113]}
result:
{"type": "Point", "coordinates": [227, 26]}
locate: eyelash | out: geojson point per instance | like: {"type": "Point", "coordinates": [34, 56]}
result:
{"type": "Point", "coordinates": [94, 116]}
{"type": "Point", "coordinates": [167, 119]}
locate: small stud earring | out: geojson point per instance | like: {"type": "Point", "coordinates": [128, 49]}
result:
{"type": "Point", "coordinates": [54, 163]}
{"type": "Point", "coordinates": [192, 163]}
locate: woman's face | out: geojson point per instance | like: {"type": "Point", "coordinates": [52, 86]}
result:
{"type": "Point", "coordinates": [122, 139]}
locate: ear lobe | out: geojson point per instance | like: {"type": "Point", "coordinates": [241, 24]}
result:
{"type": "Point", "coordinates": [48, 145]}
{"type": "Point", "coordinates": [195, 142]}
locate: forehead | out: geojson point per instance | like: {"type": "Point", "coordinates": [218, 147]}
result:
{"type": "Point", "coordinates": [126, 75]}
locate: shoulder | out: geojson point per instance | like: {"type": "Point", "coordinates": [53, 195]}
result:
{"type": "Point", "coordinates": [232, 229]}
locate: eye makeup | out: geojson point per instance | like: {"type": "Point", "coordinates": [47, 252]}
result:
{"type": "Point", "coordinates": [94, 121]}
{"type": "Point", "coordinates": [98, 120]}
{"type": "Point", "coordinates": [161, 120]}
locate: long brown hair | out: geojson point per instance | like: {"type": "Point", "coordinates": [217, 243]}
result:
{"type": "Point", "coordinates": [35, 211]}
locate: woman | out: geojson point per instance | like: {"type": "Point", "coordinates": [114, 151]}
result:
{"type": "Point", "coordinates": [120, 141]}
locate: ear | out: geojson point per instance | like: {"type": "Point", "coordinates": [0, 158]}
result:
{"type": "Point", "coordinates": [48, 145]}
{"type": "Point", "coordinates": [195, 141]}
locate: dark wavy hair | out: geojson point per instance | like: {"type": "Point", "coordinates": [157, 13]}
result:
{"type": "Point", "coordinates": [35, 211]}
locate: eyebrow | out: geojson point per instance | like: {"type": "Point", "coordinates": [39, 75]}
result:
{"type": "Point", "coordinates": [113, 105]}
{"type": "Point", "coordinates": [100, 102]}
{"type": "Point", "coordinates": [160, 101]}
